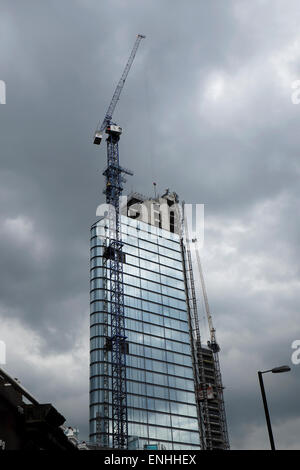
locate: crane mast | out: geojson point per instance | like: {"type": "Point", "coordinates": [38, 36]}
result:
{"type": "Point", "coordinates": [116, 341]}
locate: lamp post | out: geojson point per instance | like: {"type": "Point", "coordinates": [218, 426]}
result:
{"type": "Point", "coordinates": [275, 370]}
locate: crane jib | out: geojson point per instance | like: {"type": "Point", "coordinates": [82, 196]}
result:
{"type": "Point", "coordinates": [117, 93]}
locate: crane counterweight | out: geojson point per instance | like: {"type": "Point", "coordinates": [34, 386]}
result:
{"type": "Point", "coordinates": [97, 138]}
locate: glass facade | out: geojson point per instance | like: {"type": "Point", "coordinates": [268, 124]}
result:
{"type": "Point", "coordinates": [160, 386]}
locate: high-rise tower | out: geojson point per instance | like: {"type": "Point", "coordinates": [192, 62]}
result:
{"type": "Point", "coordinates": [162, 411]}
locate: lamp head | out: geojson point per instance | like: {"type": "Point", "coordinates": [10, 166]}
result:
{"type": "Point", "coordinates": [278, 370]}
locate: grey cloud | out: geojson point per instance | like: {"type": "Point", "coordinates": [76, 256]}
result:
{"type": "Point", "coordinates": [61, 61]}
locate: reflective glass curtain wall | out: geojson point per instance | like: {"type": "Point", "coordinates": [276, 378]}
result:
{"type": "Point", "coordinates": [160, 386]}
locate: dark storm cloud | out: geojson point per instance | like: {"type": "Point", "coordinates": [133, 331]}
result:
{"type": "Point", "coordinates": [60, 76]}
{"type": "Point", "coordinates": [207, 112]}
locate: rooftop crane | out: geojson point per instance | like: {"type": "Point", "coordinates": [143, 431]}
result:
{"type": "Point", "coordinates": [215, 348]}
{"type": "Point", "coordinates": [116, 342]}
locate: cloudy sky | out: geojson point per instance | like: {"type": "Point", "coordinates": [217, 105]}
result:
{"type": "Point", "coordinates": [207, 112]}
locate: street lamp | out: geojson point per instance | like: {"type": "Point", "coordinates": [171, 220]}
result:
{"type": "Point", "coordinates": [275, 370]}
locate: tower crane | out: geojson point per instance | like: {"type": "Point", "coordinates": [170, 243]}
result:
{"type": "Point", "coordinates": [215, 348]}
{"type": "Point", "coordinates": [116, 341]}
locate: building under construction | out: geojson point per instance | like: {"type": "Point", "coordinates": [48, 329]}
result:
{"type": "Point", "coordinates": [152, 383]}
{"type": "Point", "coordinates": [173, 398]}
{"type": "Point", "coordinates": [160, 396]}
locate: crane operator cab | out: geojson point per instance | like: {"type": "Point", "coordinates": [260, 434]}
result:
{"type": "Point", "coordinates": [113, 129]}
